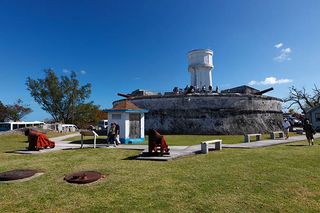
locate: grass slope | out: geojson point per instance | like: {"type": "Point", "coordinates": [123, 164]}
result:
{"type": "Point", "coordinates": [284, 178]}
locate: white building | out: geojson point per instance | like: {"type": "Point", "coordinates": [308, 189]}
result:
{"type": "Point", "coordinates": [66, 128]}
{"type": "Point", "coordinates": [200, 68]}
{"type": "Point", "coordinates": [130, 119]}
{"type": "Point", "coordinates": [12, 125]}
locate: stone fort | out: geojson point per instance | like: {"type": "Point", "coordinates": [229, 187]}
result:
{"type": "Point", "coordinates": [200, 109]}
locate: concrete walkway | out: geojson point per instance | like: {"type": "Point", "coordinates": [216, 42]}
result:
{"type": "Point", "coordinates": [180, 151]}
{"type": "Point", "coordinates": [175, 151]}
{"type": "Point", "coordinates": [264, 143]}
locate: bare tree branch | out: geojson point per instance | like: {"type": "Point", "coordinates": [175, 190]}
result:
{"type": "Point", "coordinates": [301, 98]}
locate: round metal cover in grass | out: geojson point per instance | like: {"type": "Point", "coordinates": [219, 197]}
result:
{"type": "Point", "coordinates": [17, 174]}
{"type": "Point", "coordinates": [83, 177]}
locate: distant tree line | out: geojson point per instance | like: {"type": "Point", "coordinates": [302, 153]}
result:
{"type": "Point", "coordinates": [65, 99]}
{"type": "Point", "coordinates": [13, 112]}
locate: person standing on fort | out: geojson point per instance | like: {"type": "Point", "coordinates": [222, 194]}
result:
{"type": "Point", "coordinates": [307, 127]}
{"type": "Point", "coordinates": [286, 125]}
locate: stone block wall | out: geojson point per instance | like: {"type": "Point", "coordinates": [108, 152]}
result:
{"type": "Point", "coordinates": [211, 114]}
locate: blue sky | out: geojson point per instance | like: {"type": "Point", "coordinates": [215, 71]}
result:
{"type": "Point", "coordinates": [120, 46]}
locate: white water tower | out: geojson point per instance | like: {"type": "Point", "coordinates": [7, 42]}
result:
{"type": "Point", "coordinates": [200, 67]}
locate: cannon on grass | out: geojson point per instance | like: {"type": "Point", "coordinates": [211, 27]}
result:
{"type": "Point", "coordinates": [38, 140]}
{"type": "Point", "coordinates": [157, 143]}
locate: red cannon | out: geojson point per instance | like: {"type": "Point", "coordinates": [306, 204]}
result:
{"type": "Point", "coordinates": [38, 140]}
{"type": "Point", "coordinates": [157, 143]}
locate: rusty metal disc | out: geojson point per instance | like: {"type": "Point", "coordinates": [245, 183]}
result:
{"type": "Point", "coordinates": [17, 174]}
{"type": "Point", "coordinates": [83, 177]}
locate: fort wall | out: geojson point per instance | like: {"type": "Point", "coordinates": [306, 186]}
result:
{"type": "Point", "coordinates": [211, 113]}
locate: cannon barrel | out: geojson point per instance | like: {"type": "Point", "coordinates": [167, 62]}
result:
{"type": "Point", "coordinates": [263, 91]}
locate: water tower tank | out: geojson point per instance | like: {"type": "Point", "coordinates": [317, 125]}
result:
{"type": "Point", "coordinates": [200, 67]}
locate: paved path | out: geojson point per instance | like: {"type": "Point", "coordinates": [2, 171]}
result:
{"type": "Point", "coordinates": [61, 139]}
{"type": "Point", "coordinates": [175, 151]}
{"type": "Point", "coordinates": [180, 151]}
{"type": "Point", "coordinates": [265, 143]}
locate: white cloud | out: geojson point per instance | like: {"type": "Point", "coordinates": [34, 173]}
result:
{"type": "Point", "coordinates": [284, 55]}
{"type": "Point", "coordinates": [66, 71]}
{"type": "Point", "coordinates": [253, 82]}
{"type": "Point", "coordinates": [83, 72]}
{"type": "Point", "coordinates": [270, 81]}
{"type": "Point", "coordinates": [137, 78]}
{"type": "Point", "coordinates": [286, 50]}
{"type": "Point", "coordinates": [278, 45]}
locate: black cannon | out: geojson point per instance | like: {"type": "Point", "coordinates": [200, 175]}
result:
{"type": "Point", "coordinates": [264, 91]}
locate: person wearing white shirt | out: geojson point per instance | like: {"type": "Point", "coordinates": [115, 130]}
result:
{"type": "Point", "coordinates": [286, 125]}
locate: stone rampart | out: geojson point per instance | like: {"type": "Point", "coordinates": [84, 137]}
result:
{"type": "Point", "coordinates": [211, 114]}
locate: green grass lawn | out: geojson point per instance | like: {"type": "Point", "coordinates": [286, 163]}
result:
{"type": "Point", "coordinates": [284, 178]}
